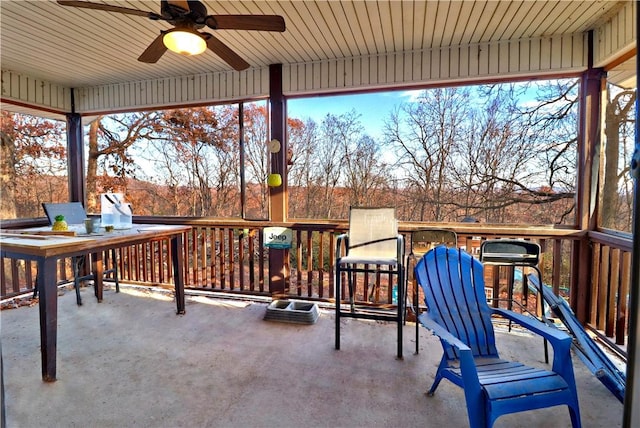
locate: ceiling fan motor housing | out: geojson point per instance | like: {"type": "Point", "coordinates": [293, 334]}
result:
{"type": "Point", "coordinates": [173, 13]}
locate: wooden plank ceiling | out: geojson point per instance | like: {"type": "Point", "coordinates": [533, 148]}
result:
{"type": "Point", "coordinates": [74, 47]}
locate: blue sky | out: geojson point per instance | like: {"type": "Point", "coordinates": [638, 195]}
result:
{"type": "Point", "coordinates": [374, 108]}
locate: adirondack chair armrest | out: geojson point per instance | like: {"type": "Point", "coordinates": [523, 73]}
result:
{"type": "Point", "coordinates": [550, 333]}
{"type": "Point", "coordinates": [560, 341]}
{"type": "Point", "coordinates": [428, 323]}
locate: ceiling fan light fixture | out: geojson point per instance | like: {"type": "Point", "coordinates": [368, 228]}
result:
{"type": "Point", "coordinates": [184, 42]}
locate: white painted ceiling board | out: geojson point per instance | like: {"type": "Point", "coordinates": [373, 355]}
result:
{"type": "Point", "coordinates": [358, 31]}
{"type": "Point", "coordinates": [84, 48]}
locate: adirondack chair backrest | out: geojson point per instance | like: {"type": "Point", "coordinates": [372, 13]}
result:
{"type": "Point", "coordinates": [453, 285]}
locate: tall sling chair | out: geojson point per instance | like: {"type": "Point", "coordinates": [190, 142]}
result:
{"type": "Point", "coordinates": [422, 240]}
{"type": "Point", "coordinates": [372, 247]}
{"type": "Point", "coordinates": [458, 313]}
{"type": "Point", "coordinates": [75, 214]}
{"type": "Point", "coordinates": [514, 253]}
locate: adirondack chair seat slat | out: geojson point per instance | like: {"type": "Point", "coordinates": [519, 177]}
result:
{"type": "Point", "coordinates": [525, 387]}
{"type": "Point", "coordinates": [504, 371]}
{"type": "Point", "coordinates": [506, 379]}
{"type": "Point", "coordinates": [524, 373]}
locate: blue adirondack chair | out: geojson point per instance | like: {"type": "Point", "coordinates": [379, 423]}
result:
{"type": "Point", "coordinates": [458, 313]}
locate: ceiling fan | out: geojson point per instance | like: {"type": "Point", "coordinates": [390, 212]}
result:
{"type": "Point", "coordinates": [187, 17]}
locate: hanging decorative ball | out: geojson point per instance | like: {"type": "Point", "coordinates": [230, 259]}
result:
{"type": "Point", "coordinates": [274, 146]}
{"type": "Point", "coordinates": [274, 180]}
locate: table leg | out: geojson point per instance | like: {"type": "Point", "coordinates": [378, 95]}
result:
{"type": "Point", "coordinates": [178, 272]}
{"type": "Point", "coordinates": [48, 305]}
{"type": "Point", "coordinates": [97, 267]}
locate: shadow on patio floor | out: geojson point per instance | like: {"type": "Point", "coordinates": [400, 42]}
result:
{"type": "Point", "coordinates": [130, 361]}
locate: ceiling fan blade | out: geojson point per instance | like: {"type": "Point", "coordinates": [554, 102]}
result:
{"type": "Point", "coordinates": [154, 51]}
{"type": "Point", "coordinates": [225, 52]}
{"type": "Point", "coordinates": [108, 8]}
{"type": "Point", "coordinates": [246, 22]}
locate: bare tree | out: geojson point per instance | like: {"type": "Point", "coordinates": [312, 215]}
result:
{"type": "Point", "coordinates": [7, 169]}
{"type": "Point", "coordinates": [476, 152]}
{"type": "Point", "coordinates": [205, 143]}
{"type": "Point", "coordinates": [423, 135]}
{"type": "Point", "coordinates": [553, 124]}
{"type": "Point", "coordinates": [500, 151]}
{"type": "Point", "coordinates": [109, 161]}
{"type": "Point", "coordinates": [33, 164]}
{"type": "Point", "coordinates": [303, 140]}
{"type": "Point", "coordinates": [365, 173]}
{"type": "Point", "coordinates": [256, 134]}
{"type": "Point", "coordinates": [337, 132]}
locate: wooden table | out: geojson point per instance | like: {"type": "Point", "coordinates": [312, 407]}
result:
{"type": "Point", "coordinates": [46, 250]}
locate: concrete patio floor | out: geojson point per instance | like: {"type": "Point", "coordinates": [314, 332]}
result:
{"type": "Point", "coordinates": [130, 361]}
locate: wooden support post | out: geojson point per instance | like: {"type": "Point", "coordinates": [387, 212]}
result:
{"type": "Point", "coordinates": [278, 194]}
{"type": "Point", "coordinates": [75, 158]}
{"type": "Point", "coordinates": [587, 184]}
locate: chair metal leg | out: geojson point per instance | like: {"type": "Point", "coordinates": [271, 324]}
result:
{"type": "Point", "coordinates": [406, 285]}
{"type": "Point", "coordinates": [337, 296]}
{"type": "Point", "coordinates": [350, 282]}
{"type": "Point", "coordinates": [76, 278]}
{"type": "Point", "coordinates": [401, 309]}
{"type": "Point", "coordinates": [76, 285]}
{"type": "Point", "coordinates": [35, 287]}
{"type": "Point", "coordinates": [416, 308]}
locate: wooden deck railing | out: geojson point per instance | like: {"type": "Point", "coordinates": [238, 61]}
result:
{"type": "Point", "coordinates": [610, 286]}
{"type": "Point", "coordinates": [229, 256]}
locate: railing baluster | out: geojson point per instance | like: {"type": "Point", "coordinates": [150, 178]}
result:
{"type": "Point", "coordinates": [602, 289]}
{"type": "Point", "coordinates": [310, 268]}
{"type": "Point", "coordinates": [321, 271]}
{"type": "Point", "coordinates": [252, 261]}
{"type": "Point", "coordinates": [595, 284]}
{"type": "Point", "coordinates": [241, 259]}
{"type": "Point", "coordinates": [299, 262]}
{"type": "Point", "coordinates": [332, 267]}
{"type": "Point", "coordinates": [216, 261]}
{"type": "Point", "coordinates": [622, 308]}
{"type": "Point", "coordinates": [232, 257]}
{"type": "Point", "coordinates": [202, 233]}
{"type": "Point", "coordinates": [612, 294]}
{"type": "Point", "coordinates": [15, 274]}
